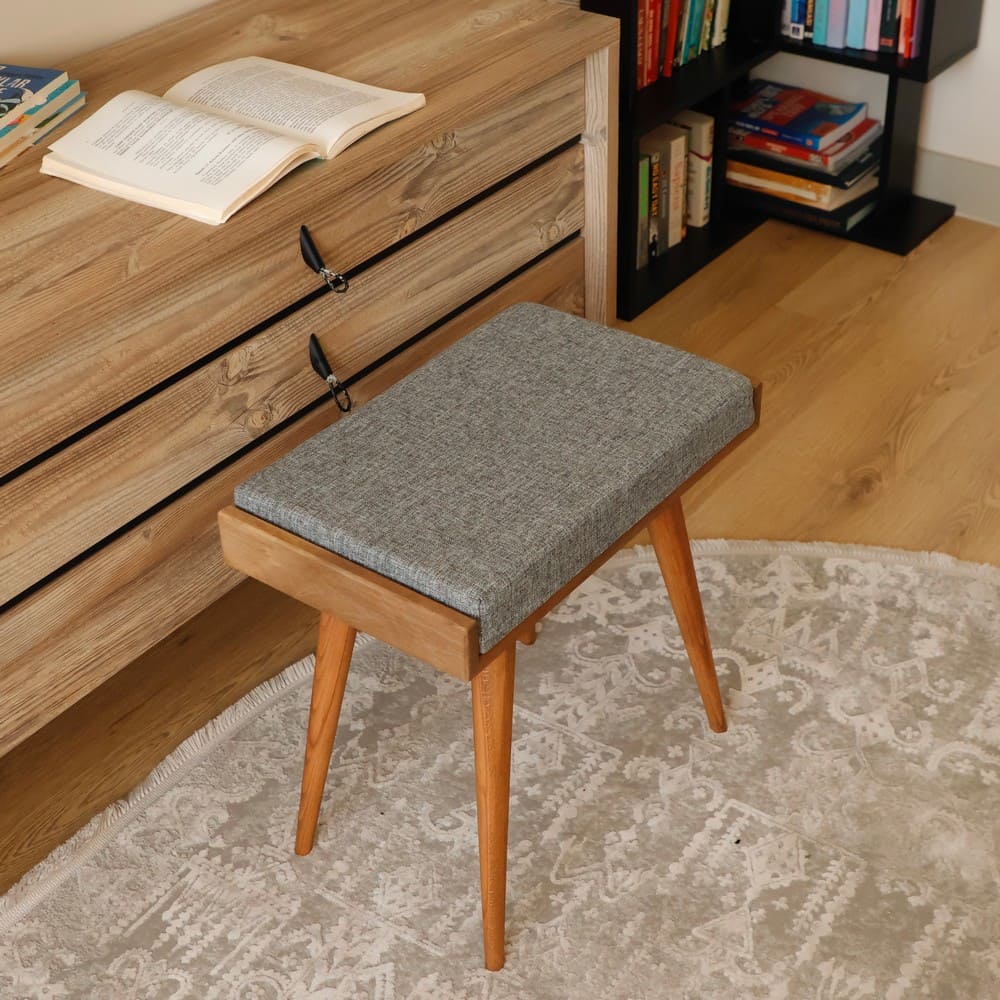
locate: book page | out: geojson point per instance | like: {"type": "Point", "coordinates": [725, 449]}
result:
{"type": "Point", "coordinates": [173, 152]}
{"type": "Point", "coordinates": [292, 100]}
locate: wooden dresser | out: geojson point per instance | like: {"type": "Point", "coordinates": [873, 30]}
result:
{"type": "Point", "coordinates": [150, 362]}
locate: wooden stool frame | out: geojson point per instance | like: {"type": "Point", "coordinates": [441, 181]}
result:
{"type": "Point", "coordinates": [352, 599]}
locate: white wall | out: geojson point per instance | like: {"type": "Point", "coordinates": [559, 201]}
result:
{"type": "Point", "coordinates": [51, 32]}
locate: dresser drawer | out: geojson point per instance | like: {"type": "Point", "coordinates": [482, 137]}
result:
{"type": "Point", "coordinates": [70, 635]}
{"type": "Point", "coordinates": [72, 501]}
{"type": "Point", "coordinates": [127, 313]}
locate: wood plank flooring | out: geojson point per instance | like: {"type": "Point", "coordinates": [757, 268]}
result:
{"type": "Point", "coordinates": [881, 425]}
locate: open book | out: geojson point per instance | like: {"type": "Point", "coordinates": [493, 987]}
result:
{"type": "Point", "coordinates": [221, 136]}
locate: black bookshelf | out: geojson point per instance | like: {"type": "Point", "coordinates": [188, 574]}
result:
{"type": "Point", "coordinates": [902, 219]}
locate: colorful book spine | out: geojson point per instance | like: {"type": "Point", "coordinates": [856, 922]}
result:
{"type": "Point", "coordinates": [810, 19]}
{"type": "Point", "coordinates": [797, 26]}
{"type": "Point", "coordinates": [682, 33]}
{"type": "Point", "coordinates": [822, 20]}
{"type": "Point", "coordinates": [670, 47]}
{"type": "Point", "coordinates": [677, 168]}
{"type": "Point", "coordinates": [836, 27]}
{"type": "Point", "coordinates": [654, 203]}
{"type": "Point", "coordinates": [857, 21]}
{"type": "Point", "coordinates": [692, 43]}
{"type": "Point", "coordinates": [642, 236]}
{"type": "Point", "coordinates": [706, 27]}
{"type": "Point", "coordinates": [721, 29]}
{"type": "Point", "coordinates": [653, 17]}
{"type": "Point", "coordinates": [905, 46]}
{"type": "Point", "coordinates": [916, 46]}
{"type": "Point", "coordinates": [874, 25]}
{"type": "Point", "coordinates": [889, 32]}
{"type": "Point", "coordinates": [640, 44]}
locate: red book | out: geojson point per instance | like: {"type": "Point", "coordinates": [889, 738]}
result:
{"type": "Point", "coordinates": [906, 28]}
{"type": "Point", "coordinates": [831, 158]}
{"type": "Point", "coordinates": [640, 38]}
{"type": "Point", "coordinates": [653, 50]}
{"type": "Point", "coordinates": [672, 22]}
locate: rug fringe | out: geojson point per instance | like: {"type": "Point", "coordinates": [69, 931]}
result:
{"type": "Point", "coordinates": [50, 873]}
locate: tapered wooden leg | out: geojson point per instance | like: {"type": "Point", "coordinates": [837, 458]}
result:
{"type": "Point", "coordinates": [333, 661]}
{"type": "Point", "coordinates": [492, 720]}
{"type": "Point", "coordinates": [673, 552]}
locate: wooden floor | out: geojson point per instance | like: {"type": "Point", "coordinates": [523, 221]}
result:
{"type": "Point", "coordinates": [881, 425]}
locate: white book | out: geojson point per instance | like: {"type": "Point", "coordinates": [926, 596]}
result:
{"type": "Point", "coordinates": [221, 136]}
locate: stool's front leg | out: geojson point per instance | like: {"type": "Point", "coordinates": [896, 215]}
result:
{"type": "Point", "coordinates": [492, 721]}
{"type": "Point", "coordinates": [668, 533]}
{"type": "Point", "coordinates": [333, 661]}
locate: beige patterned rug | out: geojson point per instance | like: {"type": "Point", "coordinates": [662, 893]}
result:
{"type": "Point", "coordinates": [840, 842]}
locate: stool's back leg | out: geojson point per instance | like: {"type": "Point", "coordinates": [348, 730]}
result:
{"type": "Point", "coordinates": [492, 721]}
{"type": "Point", "coordinates": [333, 660]}
{"type": "Point", "coordinates": [668, 533]}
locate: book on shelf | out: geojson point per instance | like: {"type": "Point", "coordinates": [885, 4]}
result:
{"type": "Point", "coordinates": [841, 220]}
{"type": "Point", "coordinates": [669, 143]}
{"type": "Point", "coordinates": [642, 230]}
{"type": "Point", "coordinates": [889, 30]}
{"type": "Point", "coordinates": [700, 129]}
{"type": "Point", "coordinates": [796, 115]}
{"type": "Point", "coordinates": [836, 25]}
{"type": "Point", "coordinates": [857, 18]}
{"type": "Point", "coordinates": [891, 26]}
{"type": "Point", "coordinates": [832, 159]}
{"type": "Point", "coordinates": [822, 19]}
{"type": "Point", "coordinates": [673, 33]}
{"type": "Point", "coordinates": [827, 197]}
{"type": "Point", "coordinates": [23, 87]}
{"type": "Point", "coordinates": [654, 203]}
{"type": "Point", "coordinates": [849, 174]}
{"type": "Point", "coordinates": [221, 136]}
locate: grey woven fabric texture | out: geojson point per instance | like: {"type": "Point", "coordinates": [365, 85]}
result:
{"type": "Point", "coordinates": [492, 475]}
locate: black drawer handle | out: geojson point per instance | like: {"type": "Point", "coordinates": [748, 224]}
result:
{"type": "Point", "coordinates": [335, 281]}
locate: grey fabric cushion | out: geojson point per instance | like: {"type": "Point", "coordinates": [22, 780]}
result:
{"type": "Point", "coordinates": [491, 476]}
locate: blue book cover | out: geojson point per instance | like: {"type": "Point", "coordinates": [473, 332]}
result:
{"type": "Point", "coordinates": [22, 87]}
{"type": "Point", "coordinates": [857, 22]}
{"type": "Point", "coordinates": [797, 28]}
{"type": "Point", "coordinates": [692, 44]}
{"type": "Point", "coordinates": [821, 19]}
{"type": "Point", "coordinates": [794, 115]}
{"type": "Point", "coordinates": [37, 113]}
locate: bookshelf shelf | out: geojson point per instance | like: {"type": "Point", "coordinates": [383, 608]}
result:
{"type": "Point", "coordinates": [697, 82]}
{"type": "Point", "coordinates": [875, 62]}
{"type": "Point", "coordinates": [901, 221]}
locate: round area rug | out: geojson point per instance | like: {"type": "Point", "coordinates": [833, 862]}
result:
{"type": "Point", "coordinates": [839, 842]}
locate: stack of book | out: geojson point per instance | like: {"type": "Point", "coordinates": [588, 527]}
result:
{"type": "Point", "coordinates": [675, 183]}
{"type": "Point", "coordinates": [804, 156]}
{"type": "Point", "coordinates": [894, 26]}
{"type": "Point", "coordinates": [674, 32]}
{"type": "Point", "coordinates": [33, 102]}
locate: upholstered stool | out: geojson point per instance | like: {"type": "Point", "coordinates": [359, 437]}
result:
{"type": "Point", "coordinates": [453, 511]}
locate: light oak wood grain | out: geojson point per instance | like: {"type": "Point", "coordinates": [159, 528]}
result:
{"type": "Point", "coordinates": [72, 501]}
{"type": "Point", "coordinates": [418, 625]}
{"type": "Point", "coordinates": [77, 631]}
{"type": "Point", "coordinates": [142, 294]}
{"type": "Point", "coordinates": [492, 721]}
{"type": "Point", "coordinates": [334, 649]}
{"type": "Point", "coordinates": [600, 140]}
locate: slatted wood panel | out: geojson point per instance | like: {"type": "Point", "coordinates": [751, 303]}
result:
{"type": "Point", "coordinates": [120, 296]}
{"type": "Point", "coordinates": [87, 624]}
{"type": "Point", "coordinates": [70, 502]}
